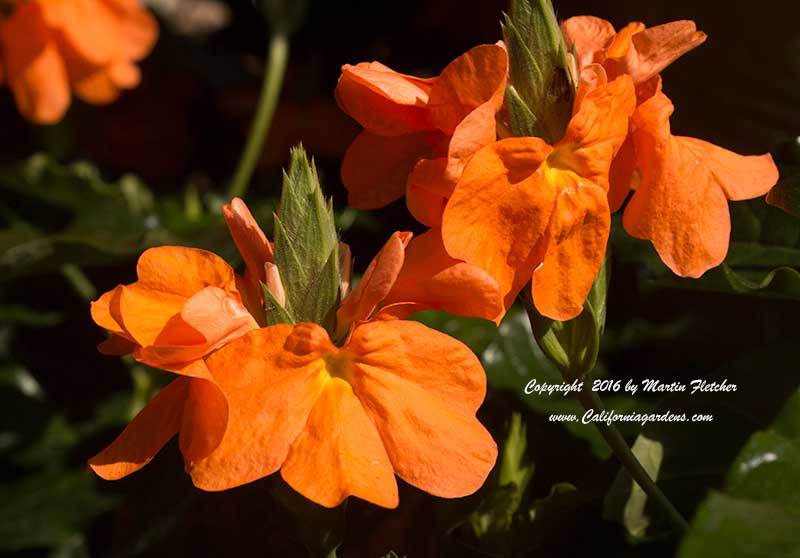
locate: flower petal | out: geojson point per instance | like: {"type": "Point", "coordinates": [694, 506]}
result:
{"type": "Point", "coordinates": [340, 453]}
{"type": "Point", "coordinates": [499, 211]}
{"type": "Point", "coordinates": [596, 132]}
{"type": "Point", "coordinates": [145, 435]}
{"type": "Point", "coordinates": [432, 279]}
{"type": "Point", "coordinates": [34, 68]}
{"type": "Point", "coordinates": [183, 271]}
{"type": "Point", "coordinates": [577, 238]}
{"type": "Point", "coordinates": [375, 168]}
{"type": "Point", "coordinates": [383, 101]}
{"type": "Point", "coordinates": [741, 177]}
{"type": "Point", "coordinates": [271, 378]}
{"type": "Point", "coordinates": [475, 78]}
{"type": "Point", "coordinates": [421, 394]}
{"type": "Point", "coordinates": [657, 47]}
{"type": "Point", "coordinates": [205, 418]}
{"type": "Point", "coordinates": [376, 282]}
{"type": "Point", "coordinates": [587, 34]}
{"type": "Point", "coordinates": [250, 240]}
{"type": "Point", "coordinates": [678, 204]}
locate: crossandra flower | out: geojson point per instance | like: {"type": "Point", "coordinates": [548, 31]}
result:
{"type": "Point", "coordinates": [524, 210]}
{"type": "Point", "coordinates": [681, 184]}
{"type": "Point", "coordinates": [394, 398]}
{"type": "Point", "coordinates": [186, 304]}
{"type": "Point", "coordinates": [419, 133]}
{"type": "Point", "coordinates": [48, 48]}
{"type": "Point", "coordinates": [338, 420]}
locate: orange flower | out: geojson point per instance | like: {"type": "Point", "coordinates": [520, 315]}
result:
{"type": "Point", "coordinates": [681, 184]}
{"type": "Point", "coordinates": [419, 133]}
{"type": "Point", "coordinates": [49, 47]}
{"type": "Point", "coordinates": [527, 211]}
{"type": "Point", "coordinates": [395, 398]}
{"type": "Point", "coordinates": [185, 305]}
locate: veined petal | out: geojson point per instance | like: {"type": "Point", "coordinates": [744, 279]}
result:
{"type": "Point", "coordinates": [432, 279]}
{"type": "Point", "coordinates": [657, 47]}
{"type": "Point", "coordinates": [499, 211]}
{"type": "Point", "coordinates": [183, 271]}
{"type": "Point", "coordinates": [678, 204]}
{"type": "Point", "coordinates": [271, 378]}
{"type": "Point", "coordinates": [422, 409]}
{"type": "Point", "coordinates": [340, 453]}
{"type": "Point", "coordinates": [587, 34]}
{"type": "Point", "coordinates": [475, 78]}
{"type": "Point", "coordinates": [376, 282]}
{"type": "Point", "coordinates": [375, 168]}
{"type": "Point", "coordinates": [145, 435]}
{"type": "Point", "coordinates": [383, 101]}
{"type": "Point", "coordinates": [577, 238]}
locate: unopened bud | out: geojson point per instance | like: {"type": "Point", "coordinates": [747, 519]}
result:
{"type": "Point", "coordinates": [345, 268]}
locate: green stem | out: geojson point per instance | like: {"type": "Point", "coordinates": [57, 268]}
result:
{"type": "Point", "coordinates": [268, 100]}
{"type": "Point", "coordinates": [590, 400]}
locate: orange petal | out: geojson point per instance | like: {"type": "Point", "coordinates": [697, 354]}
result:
{"type": "Point", "coordinates": [375, 168]}
{"type": "Point", "coordinates": [741, 177]}
{"type": "Point", "coordinates": [678, 205]}
{"type": "Point", "coordinates": [499, 211]}
{"type": "Point", "coordinates": [577, 238]}
{"type": "Point", "coordinates": [205, 418]}
{"type": "Point", "coordinates": [183, 271]}
{"type": "Point", "coordinates": [428, 190]}
{"type": "Point", "coordinates": [340, 453]}
{"type": "Point", "coordinates": [376, 282]}
{"type": "Point", "coordinates": [620, 45]}
{"type": "Point", "coordinates": [34, 68]}
{"type": "Point", "coordinates": [657, 47]}
{"type": "Point", "coordinates": [144, 313]}
{"type": "Point", "coordinates": [101, 311]}
{"type": "Point", "coordinates": [587, 34]}
{"type": "Point", "coordinates": [621, 174]}
{"type": "Point", "coordinates": [432, 279]}
{"type": "Point", "coordinates": [207, 320]}
{"type": "Point", "coordinates": [476, 130]}
{"type": "Point", "coordinates": [474, 78]}
{"type": "Point", "coordinates": [136, 28]}
{"type": "Point", "coordinates": [145, 435]}
{"type": "Point", "coordinates": [596, 132]}
{"type": "Point", "coordinates": [251, 241]}
{"type": "Point", "coordinates": [421, 389]}
{"type": "Point", "coordinates": [383, 101]}
{"type": "Point", "coordinates": [271, 378]}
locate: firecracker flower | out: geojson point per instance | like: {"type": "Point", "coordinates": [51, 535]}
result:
{"type": "Point", "coordinates": [339, 405]}
{"type": "Point", "coordinates": [681, 185]}
{"type": "Point", "coordinates": [527, 211]}
{"type": "Point", "coordinates": [50, 48]}
{"type": "Point", "coordinates": [419, 132]}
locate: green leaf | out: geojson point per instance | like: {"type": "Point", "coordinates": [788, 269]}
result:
{"type": "Point", "coordinates": [758, 512]}
{"type": "Point", "coordinates": [276, 313]}
{"type": "Point", "coordinates": [625, 502]}
{"type": "Point", "coordinates": [306, 246]}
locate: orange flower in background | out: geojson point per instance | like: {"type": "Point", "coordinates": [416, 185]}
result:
{"type": "Point", "coordinates": [185, 305]}
{"type": "Point", "coordinates": [48, 48]}
{"type": "Point", "coordinates": [395, 398]}
{"type": "Point", "coordinates": [681, 184]}
{"type": "Point", "coordinates": [527, 211]}
{"type": "Point", "coordinates": [419, 133]}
